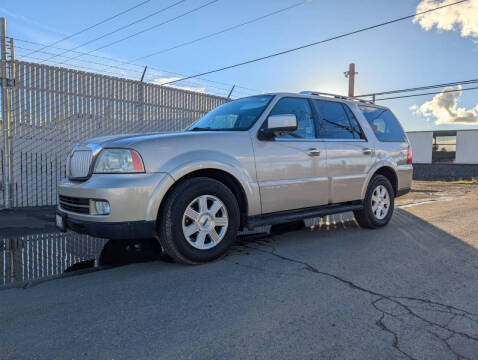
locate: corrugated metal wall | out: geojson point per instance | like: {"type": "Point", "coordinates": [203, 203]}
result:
{"type": "Point", "coordinates": [53, 108]}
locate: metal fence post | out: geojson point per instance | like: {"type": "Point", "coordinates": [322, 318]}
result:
{"type": "Point", "coordinates": [6, 117]}
{"type": "Point", "coordinates": [141, 98]}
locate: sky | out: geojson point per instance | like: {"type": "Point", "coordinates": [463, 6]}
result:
{"type": "Point", "coordinates": [437, 48]}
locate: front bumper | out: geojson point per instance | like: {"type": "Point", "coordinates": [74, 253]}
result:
{"type": "Point", "coordinates": [109, 230]}
{"type": "Point", "coordinates": [132, 197]}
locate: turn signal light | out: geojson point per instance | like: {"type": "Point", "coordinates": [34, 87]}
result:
{"type": "Point", "coordinates": [137, 163]}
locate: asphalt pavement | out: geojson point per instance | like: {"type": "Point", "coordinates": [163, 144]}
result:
{"type": "Point", "coordinates": [334, 291]}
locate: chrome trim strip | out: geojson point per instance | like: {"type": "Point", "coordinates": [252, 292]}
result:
{"type": "Point", "coordinates": [292, 181]}
{"type": "Point", "coordinates": [295, 140]}
{"type": "Point", "coordinates": [318, 140]}
{"type": "Point", "coordinates": [349, 177]}
{"type": "Point", "coordinates": [343, 140]}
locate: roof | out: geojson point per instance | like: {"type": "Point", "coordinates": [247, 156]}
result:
{"type": "Point", "coordinates": [328, 96]}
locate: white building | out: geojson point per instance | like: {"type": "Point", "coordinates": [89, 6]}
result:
{"type": "Point", "coordinates": [448, 146]}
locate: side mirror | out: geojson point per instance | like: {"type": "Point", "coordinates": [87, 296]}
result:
{"type": "Point", "coordinates": [283, 124]}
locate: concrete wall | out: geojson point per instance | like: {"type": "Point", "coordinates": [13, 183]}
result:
{"type": "Point", "coordinates": [467, 147]}
{"type": "Point", "coordinates": [445, 172]}
{"type": "Point", "coordinates": [422, 142]}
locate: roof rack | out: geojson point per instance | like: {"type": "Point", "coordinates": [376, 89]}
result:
{"type": "Point", "coordinates": [343, 97]}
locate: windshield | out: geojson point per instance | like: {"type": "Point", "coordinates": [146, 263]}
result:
{"type": "Point", "coordinates": [236, 115]}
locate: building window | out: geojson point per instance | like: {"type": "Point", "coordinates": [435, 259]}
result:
{"type": "Point", "coordinates": [444, 147]}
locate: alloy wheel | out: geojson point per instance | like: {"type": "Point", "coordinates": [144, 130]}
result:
{"type": "Point", "coordinates": [205, 222]}
{"type": "Point", "coordinates": [380, 202]}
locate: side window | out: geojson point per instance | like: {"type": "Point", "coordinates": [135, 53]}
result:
{"type": "Point", "coordinates": [301, 109]}
{"type": "Point", "coordinates": [357, 130]}
{"type": "Point", "coordinates": [333, 121]}
{"type": "Point", "coordinates": [384, 124]}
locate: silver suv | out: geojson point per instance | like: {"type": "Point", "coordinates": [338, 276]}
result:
{"type": "Point", "coordinates": [254, 161]}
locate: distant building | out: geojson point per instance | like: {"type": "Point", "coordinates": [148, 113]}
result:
{"type": "Point", "coordinates": [445, 154]}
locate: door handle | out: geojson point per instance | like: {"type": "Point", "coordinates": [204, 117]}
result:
{"type": "Point", "coordinates": [367, 151]}
{"type": "Point", "coordinates": [313, 152]}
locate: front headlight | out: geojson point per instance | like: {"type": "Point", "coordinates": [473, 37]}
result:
{"type": "Point", "coordinates": [118, 161]}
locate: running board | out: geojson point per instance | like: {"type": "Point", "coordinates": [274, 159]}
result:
{"type": "Point", "coordinates": [294, 215]}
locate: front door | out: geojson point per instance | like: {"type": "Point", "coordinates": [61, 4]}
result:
{"type": "Point", "coordinates": [291, 169]}
{"type": "Point", "coordinates": [349, 154]}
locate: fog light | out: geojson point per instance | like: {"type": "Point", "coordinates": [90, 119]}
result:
{"type": "Point", "coordinates": [102, 207]}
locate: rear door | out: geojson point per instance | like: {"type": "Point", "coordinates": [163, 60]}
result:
{"type": "Point", "coordinates": [392, 139]}
{"type": "Point", "coordinates": [291, 169]}
{"type": "Point", "coordinates": [349, 153]}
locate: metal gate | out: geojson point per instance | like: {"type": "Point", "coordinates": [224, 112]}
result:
{"type": "Point", "coordinates": [52, 108]}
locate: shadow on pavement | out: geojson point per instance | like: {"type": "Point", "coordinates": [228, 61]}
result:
{"type": "Point", "coordinates": [409, 290]}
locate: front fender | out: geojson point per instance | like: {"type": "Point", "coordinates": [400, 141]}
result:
{"type": "Point", "coordinates": [189, 162]}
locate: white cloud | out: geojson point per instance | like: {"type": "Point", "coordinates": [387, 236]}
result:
{"type": "Point", "coordinates": [463, 17]}
{"type": "Point", "coordinates": [444, 108]}
{"type": "Point", "coordinates": [162, 80]}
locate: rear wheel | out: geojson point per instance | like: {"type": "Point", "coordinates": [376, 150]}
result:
{"type": "Point", "coordinates": [199, 221]}
{"type": "Point", "coordinates": [378, 204]}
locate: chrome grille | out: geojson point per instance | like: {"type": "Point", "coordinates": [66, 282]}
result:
{"type": "Point", "coordinates": [80, 164]}
{"type": "Point", "coordinates": [74, 204]}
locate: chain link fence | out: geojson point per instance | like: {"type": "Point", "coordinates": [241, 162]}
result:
{"type": "Point", "coordinates": [52, 108]}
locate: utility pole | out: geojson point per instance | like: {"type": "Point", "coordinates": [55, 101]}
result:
{"type": "Point", "coordinates": [6, 84]}
{"type": "Point", "coordinates": [351, 75]}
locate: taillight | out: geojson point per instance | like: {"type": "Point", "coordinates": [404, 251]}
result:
{"type": "Point", "coordinates": [409, 155]}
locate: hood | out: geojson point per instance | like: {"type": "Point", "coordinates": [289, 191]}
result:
{"type": "Point", "coordinates": [132, 140]}
{"type": "Point", "coordinates": [164, 152]}
{"type": "Point", "coordinates": [121, 140]}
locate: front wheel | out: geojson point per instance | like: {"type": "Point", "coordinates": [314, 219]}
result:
{"type": "Point", "coordinates": [378, 204]}
{"type": "Point", "coordinates": [199, 221]}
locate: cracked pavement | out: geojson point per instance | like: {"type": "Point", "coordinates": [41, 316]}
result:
{"type": "Point", "coordinates": [333, 291]}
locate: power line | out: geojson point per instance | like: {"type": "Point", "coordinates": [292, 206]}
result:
{"type": "Point", "coordinates": [94, 25]}
{"type": "Point", "coordinates": [317, 42]}
{"type": "Point", "coordinates": [49, 53]}
{"type": "Point", "coordinates": [141, 66]}
{"type": "Point", "coordinates": [423, 94]}
{"type": "Point", "coordinates": [85, 68]}
{"type": "Point", "coordinates": [421, 88]}
{"type": "Point", "coordinates": [222, 31]}
{"type": "Point", "coordinates": [119, 29]}
{"type": "Point", "coordinates": [134, 75]}
{"type": "Point", "coordinates": [78, 52]}
{"type": "Point", "coordinates": [145, 30]}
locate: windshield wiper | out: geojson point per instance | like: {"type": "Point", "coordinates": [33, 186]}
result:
{"type": "Point", "coordinates": [201, 129]}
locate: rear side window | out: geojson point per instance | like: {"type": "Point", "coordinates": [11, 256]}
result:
{"type": "Point", "coordinates": [384, 124]}
{"type": "Point", "coordinates": [337, 121]}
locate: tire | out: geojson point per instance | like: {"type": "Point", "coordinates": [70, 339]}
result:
{"type": "Point", "coordinates": [375, 213]}
{"type": "Point", "coordinates": [190, 235]}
